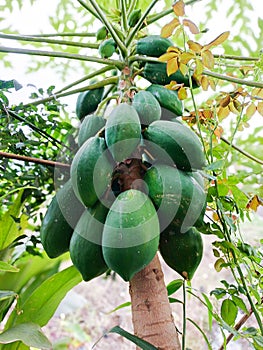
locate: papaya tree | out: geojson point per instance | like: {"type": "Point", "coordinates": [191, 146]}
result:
{"type": "Point", "coordinates": [146, 172]}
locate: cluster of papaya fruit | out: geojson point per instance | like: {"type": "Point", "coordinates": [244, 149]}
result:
{"type": "Point", "coordinates": [135, 183]}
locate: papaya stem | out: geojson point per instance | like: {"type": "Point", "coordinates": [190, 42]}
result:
{"type": "Point", "coordinates": [49, 41]}
{"type": "Point", "coordinates": [184, 317]}
{"type": "Point", "coordinates": [104, 82]}
{"type": "Point", "coordinates": [33, 160]}
{"type": "Point", "coordinates": [124, 16]}
{"type": "Point", "coordinates": [139, 24]}
{"type": "Point", "coordinates": [108, 25]}
{"type": "Point", "coordinates": [52, 35]}
{"type": "Point", "coordinates": [133, 3]}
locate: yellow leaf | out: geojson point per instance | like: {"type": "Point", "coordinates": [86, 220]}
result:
{"type": "Point", "coordinates": [183, 68]}
{"type": "Point", "coordinates": [178, 8]}
{"type": "Point", "coordinates": [212, 84]}
{"type": "Point", "coordinates": [224, 102]}
{"type": "Point", "coordinates": [254, 203]}
{"type": "Point", "coordinates": [255, 92]}
{"type": "Point", "coordinates": [260, 108]}
{"type": "Point", "coordinates": [218, 264]}
{"type": "Point", "coordinates": [208, 59]}
{"type": "Point", "coordinates": [251, 109]}
{"type": "Point", "coordinates": [198, 68]}
{"type": "Point", "coordinates": [194, 46]}
{"type": "Point", "coordinates": [205, 83]}
{"type": "Point", "coordinates": [172, 66]}
{"type": "Point", "coordinates": [218, 40]}
{"type": "Point", "coordinates": [232, 108]}
{"type": "Point", "coordinates": [260, 94]}
{"type": "Point", "coordinates": [223, 112]}
{"type": "Point", "coordinates": [185, 57]}
{"type": "Point", "coordinates": [174, 49]}
{"type": "Point", "coordinates": [167, 56]}
{"type": "Point", "coordinates": [193, 28]}
{"type": "Point", "coordinates": [168, 29]}
{"type": "Point", "coordinates": [182, 93]}
{"type": "Point", "coordinates": [218, 131]}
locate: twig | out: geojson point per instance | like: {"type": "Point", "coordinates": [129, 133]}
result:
{"type": "Point", "coordinates": [33, 160]}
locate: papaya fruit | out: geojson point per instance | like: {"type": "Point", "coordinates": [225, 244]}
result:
{"type": "Point", "coordinates": [88, 101]}
{"type": "Point", "coordinates": [182, 251]}
{"type": "Point", "coordinates": [60, 220]}
{"type": "Point", "coordinates": [153, 45]}
{"type": "Point", "coordinates": [107, 48]}
{"type": "Point", "coordinates": [177, 196]}
{"type": "Point", "coordinates": [91, 171]}
{"type": "Point", "coordinates": [156, 73]}
{"type": "Point", "coordinates": [174, 142]}
{"type": "Point", "coordinates": [134, 17]}
{"type": "Point", "coordinates": [167, 99]}
{"type": "Point", "coordinates": [131, 233]}
{"type": "Point", "coordinates": [122, 131]}
{"type": "Point", "coordinates": [89, 127]}
{"type": "Point", "coordinates": [147, 107]}
{"type": "Point", "coordinates": [85, 244]}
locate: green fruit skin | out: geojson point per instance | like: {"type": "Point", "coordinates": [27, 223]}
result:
{"type": "Point", "coordinates": [134, 17]}
{"type": "Point", "coordinates": [107, 48]}
{"type": "Point", "coordinates": [182, 251]}
{"type": "Point", "coordinates": [89, 127]}
{"type": "Point", "coordinates": [156, 73]}
{"type": "Point", "coordinates": [59, 221]}
{"type": "Point", "coordinates": [153, 45]}
{"type": "Point", "coordinates": [88, 101]}
{"type": "Point", "coordinates": [172, 141]}
{"type": "Point", "coordinates": [177, 196]}
{"type": "Point", "coordinates": [123, 131]}
{"type": "Point", "coordinates": [101, 33]}
{"type": "Point", "coordinates": [147, 107]}
{"type": "Point", "coordinates": [131, 234]}
{"type": "Point", "coordinates": [85, 244]}
{"type": "Point", "coordinates": [91, 171]}
{"type": "Point", "coordinates": [167, 98]}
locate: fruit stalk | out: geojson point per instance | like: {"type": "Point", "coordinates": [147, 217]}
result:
{"type": "Point", "coordinates": [151, 313]}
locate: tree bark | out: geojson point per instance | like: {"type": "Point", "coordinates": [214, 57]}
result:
{"type": "Point", "coordinates": [151, 313]}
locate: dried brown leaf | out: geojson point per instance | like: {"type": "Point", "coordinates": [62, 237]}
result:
{"type": "Point", "coordinates": [224, 102]}
{"type": "Point", "coordinates": [193, 27]}
{"type": "Point", "coordinates": [194, 46]}
{"type": "Point", "coordinates": [178, 8]}
{"type": "Point", "coordinates": [208, 59]}
{"type": "Point", "coordinates": [254, 203]}
{"type": "Point", "coordinates": [168, 29]}
{"type": "Point", "coordinates": [218, 40]}
{"type": "Point", "coordinates": [172, 66]}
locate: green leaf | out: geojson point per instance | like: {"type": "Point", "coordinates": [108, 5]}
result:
{"type": "Point", "coordinates": [215, 165]}
{"type": "Point", "coordinates": [7, 294]}
{"type": "Point", "coordinates": [128, 303]}
{"type": "Point", "coordinates": [43, 302]}
{"type": "Point", "coordinates": [210, 310]}
{"type": "Point", "coordinates": [9, 229]}
{"type": "Point", "coordinates": [173, 286]}
{"type": "Point", "coordinates": [29, 333]}
{"type": "Point", "coordinates": [240, 303]}
{"type": "Point", "coordinates": [229, 311]}
{"type": "Point", "coordinates": [174, 300]}
{"type": "Point", "coordinates": [7, 267]}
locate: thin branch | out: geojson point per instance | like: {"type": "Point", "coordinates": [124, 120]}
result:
{"type": "Point", "coordinates": [246, 154]}
{"type": "Point", "coordinates": [124, 15]}
{"type": "Point", "coordinates": [33, 160]}
{"type": "Point", "coordinates": [49, 41]}
{"type": "Point", "coordinates": [62, 34]}
{"type": "Point", "coordinates": [236, 58]}
{"type": "Point", "coordinates": [116, 63]}
{"type": "Point", "coordinates": [104, 82]}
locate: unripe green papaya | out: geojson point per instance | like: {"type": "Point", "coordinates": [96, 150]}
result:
{"type": "Point", "coordinates": [182, 251]}
{"type": "Point", "coordinates": [60, 220]}
{"type": "Point", "coordinates": [147, 107]}
{"type": "Point", "coordinates": [177, 196]}
{"type": "Point", "coordinates": [134, 17]}
{"type": "Point", "coordinates": [91, 171]}
{"type": "Point", "coordinates": [101, 33]}
{"type": "Point", "coordinates": [172, 141]}
{"type": "Point", "coordinates": [123, 131]}
{"type": "Point", "coordinates": [107, 48]}
{"type": "Point", "coordinates": [131, 233]}
{"type": "Point", "coordinates": [153, 45]}
{"type": "Point", "coordinates": [167, 98]}
{"type": "Point", "coordinates": [89, 127]}
{"type": "Point", "coordinates": [85, 244]}
{"type": "Point", "coordinates": [88, 101]}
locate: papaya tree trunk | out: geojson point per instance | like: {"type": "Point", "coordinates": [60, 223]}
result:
{"type": "Point", "coordinates": [151, 312]}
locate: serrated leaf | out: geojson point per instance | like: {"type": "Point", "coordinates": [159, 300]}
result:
{"type": "Point", "coordinates": [168, 29]}
{"type": "Point", "coordinates": [182, 93]}
{"type": "Point", "coordinates": [29, 333]}
{"type": "Point", "coordinates": [178, 8]}
{"type": "Point", "coordinates": [218, 40]}
{"type": "Point", "coordinates": [251, 110]}
{"type": "Point", "coordinates": [191, 25]}
{"type": "Point", "coordinates": [229, 311]}
{"type": "Point", "coordinates": [208, 59]}
{"type": "Point", "coordinates": [194, 46]}
{"type": "Point", "coordinates": [172, 66]}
